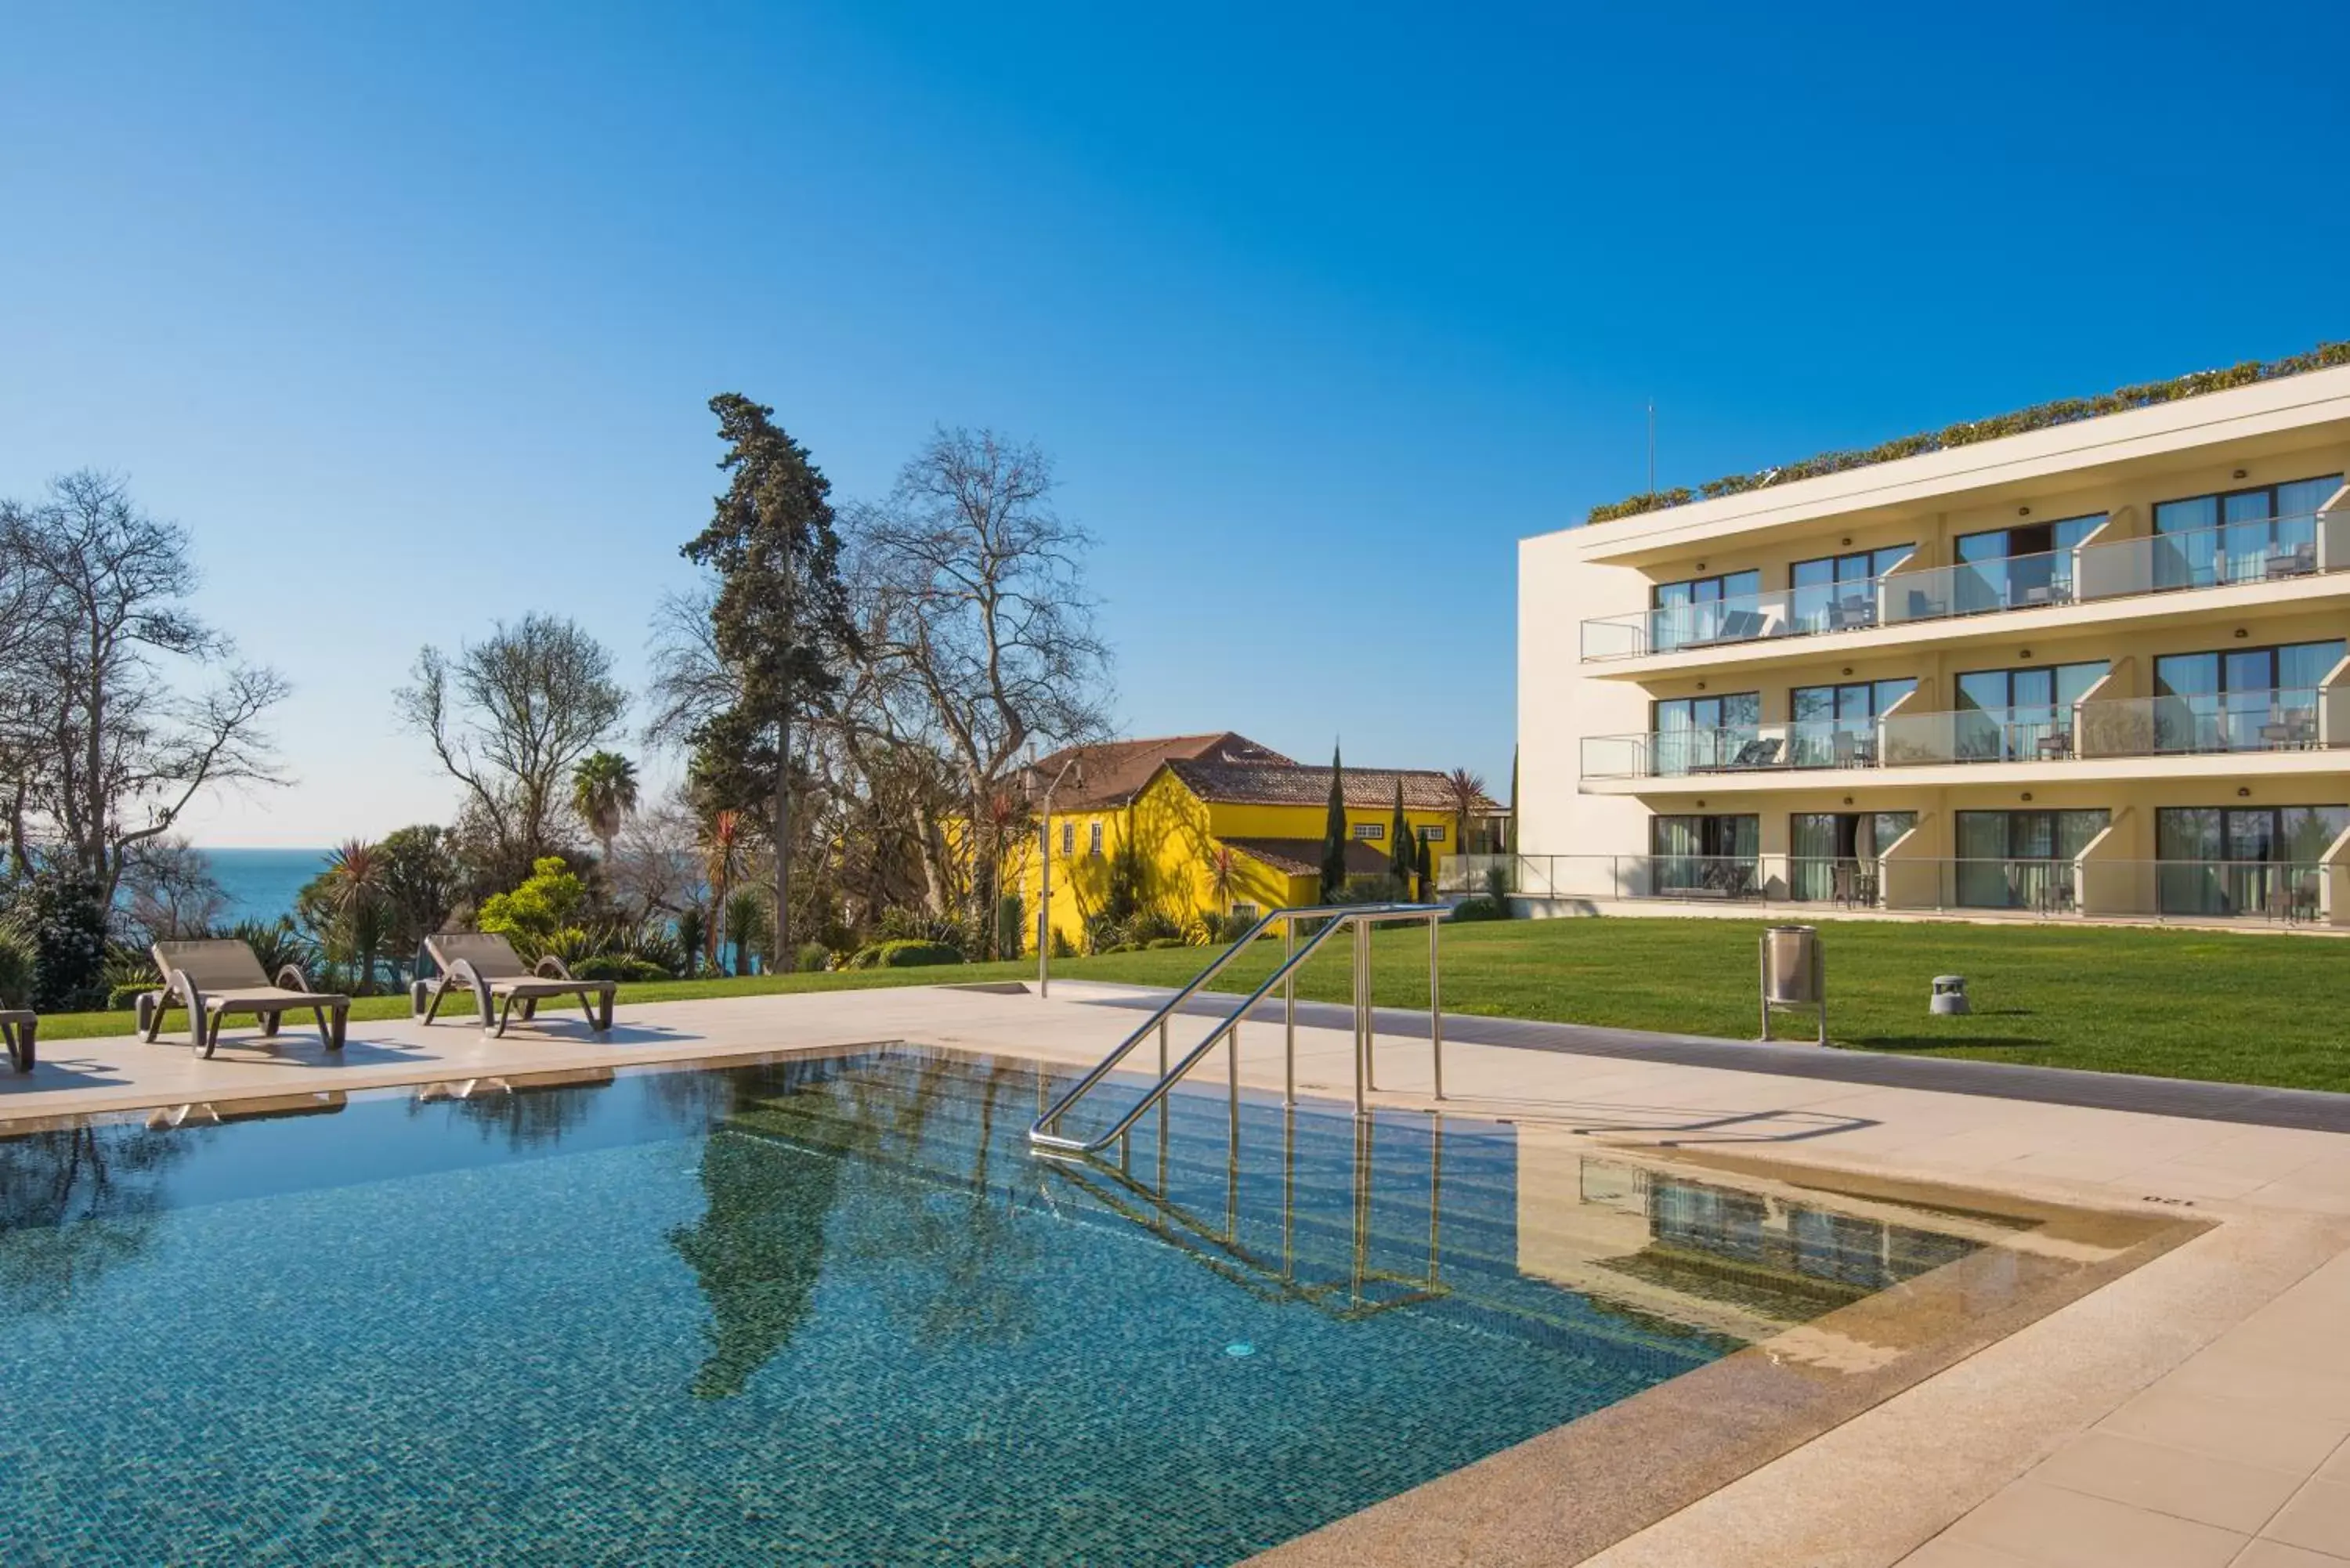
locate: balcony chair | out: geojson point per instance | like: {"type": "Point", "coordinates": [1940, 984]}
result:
{"type": "Point", "coordinates": [1735, 626]}
{"type": "Point", "coordinates": [1760, 753]}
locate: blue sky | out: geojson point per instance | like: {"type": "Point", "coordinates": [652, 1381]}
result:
{"type": "Point", "coordinates": [1319, 308]}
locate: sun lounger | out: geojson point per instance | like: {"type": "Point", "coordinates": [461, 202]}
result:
{"type": "Point", "coordinates": [486, 963]}
{"type": "Point", "coordinates": [17, 1027]}
{"type": "Point", "coordinates": [218, 976]}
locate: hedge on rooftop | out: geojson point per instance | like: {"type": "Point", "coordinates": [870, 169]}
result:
{"type": "Point", "coordinates": [2041, 416]}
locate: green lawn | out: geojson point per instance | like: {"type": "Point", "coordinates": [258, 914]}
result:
{"type": "Point", "coordinates": [2261, 1009]}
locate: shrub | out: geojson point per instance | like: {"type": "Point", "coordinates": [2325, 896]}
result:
{"type": "Point", "coordinates": [1159, 944]}
{"type": "Point", "coordinates": [532, 913]}
{"type": "Point", "coordinates": [812, 958]}
{"type": "Point", "coordinates": [1478, 909]}
{"type": "Point", "coordinates": [1062, 947]}
{"type": "Point", "coordinates": [1011, 916]}
{"type": "Point", "coordinates": [656, 944]}
{"type": "Point", "coordinates": [2041, 416]}
{"type": "Point", "coordinates": [122, 998]}
{"type": "Point", "coordinates": [1497, 887]}
{"type": "Point", "coordinates": [904, 953]}
{"type": "Point", "coordinates": [17, 963]}
{"type": "Point", "coordinates": [63, 921]}
{"type": "Point", "coordinates": [1148, 928]}
{"type": "Point", "coordinates": [276, 943]}
{"type": "Point", "coordinates": [625, 967]}
{"type": "Point", "coordinates": [896, 925]}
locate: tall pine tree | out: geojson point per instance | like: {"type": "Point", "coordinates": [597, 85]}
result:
{"type": "Point", "coordinates": [1334, 833]}
{"type": "Point", "coordinates": [781, 622]}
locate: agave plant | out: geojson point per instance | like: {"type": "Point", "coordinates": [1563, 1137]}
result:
{"type": "Point", "coordinates": [276, 943]}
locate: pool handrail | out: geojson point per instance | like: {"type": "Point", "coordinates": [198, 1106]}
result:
{"type": "Point", "coordinates": [1360, 918]}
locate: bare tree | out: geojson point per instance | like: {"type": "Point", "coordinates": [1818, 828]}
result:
{"type": "Point", "coordinates": [103, 747]}
{"type": "Point", "coordinates": [655, 862]}
{"type": "Point", "coordinates": [172, 891]}
{"type": "Point", "coordinates": [981, 616]}
{"type": "Point", "coordinates": [508, 717]}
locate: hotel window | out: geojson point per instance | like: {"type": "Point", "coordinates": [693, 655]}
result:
{"type": "Point", "coordinates": [1093, 839]}
{"type": "Point", "coordinates": [2242, 699]}
{"type": "Point", "coordinates": [2022, 859]}
{"type": "Point", "coordinates": [1068, 839]}
{"type": "Point", "coordinates": [1835, 726]}
{"type": "Point", "coordinates": [1713, 854]}
{"type": "Point", "coordinates": [2257, 534]}
{"type": "Point", "coordinates": [2243, 860]}
{"type": "Point", "coordinates": [1370, 830]}
{"type": "Point", "coordinates": [2019, 567]}
{"type": "Point", "coordinates": [1721, 608]}
{"type": "Point", "coordinates": [1432, 833]}
{"type": "Point", "coordinates": [1832, 854]}
{"type": "Point", "coordinates": [1695, 732]}
{"type": "Point", "coordinates": [1838, 593]}
{"type": "Point", "coordinates": [2019, 715]}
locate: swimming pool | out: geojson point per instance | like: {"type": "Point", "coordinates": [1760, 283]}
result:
{"type": "Point", "coordinates": [832, 1310]}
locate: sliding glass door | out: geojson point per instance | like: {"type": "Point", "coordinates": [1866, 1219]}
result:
{"type": "Point", "coordinates": [1696, 733]}
{"type": "Point", "coordinates": [2243, 860]}
{"type": "Point", "coordinates": [1715, 855]}
{"type": "Point", "coordinates": [1832, 854]}
{"type": "Point", "coordinates": [2245, 699]}
{"type": "Point", "coordinates": [2258, 535]}
{"type": "Point", "coordinates": [2022, 859]}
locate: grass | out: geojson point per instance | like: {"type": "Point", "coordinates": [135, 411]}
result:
{"type": "Point", "coordinates": [2257, 1009]}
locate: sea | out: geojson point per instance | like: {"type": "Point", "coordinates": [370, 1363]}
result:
{"type": "Point", "coordinates": [261, 884]}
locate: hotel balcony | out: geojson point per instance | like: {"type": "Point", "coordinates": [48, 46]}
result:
{"type": "Point", "coordinates": [2305, 557]}
{"type": "Point", "coordinates": [2303, 730]}
{"type": "Point", "coordinates": [2088, 887]}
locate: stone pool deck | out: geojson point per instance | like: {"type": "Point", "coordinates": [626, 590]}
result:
{"type": "Point", "coordinates": [2196, 1411]}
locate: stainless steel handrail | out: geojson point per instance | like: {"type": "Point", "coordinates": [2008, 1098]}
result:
{"type": "Point", "coordinates": [1360, 917]}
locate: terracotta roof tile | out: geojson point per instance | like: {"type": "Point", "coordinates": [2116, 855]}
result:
{"type": "Point", "coordinates": [1115, 770]}
{"type": "Point", "coordinates": [1288, 784]}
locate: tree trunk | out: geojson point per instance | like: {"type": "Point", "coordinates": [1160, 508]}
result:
{"type": "Point", "coordinates": [784, 832]}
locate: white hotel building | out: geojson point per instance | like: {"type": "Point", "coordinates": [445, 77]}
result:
{"type": "Point", "coordinates": [2092, 671]}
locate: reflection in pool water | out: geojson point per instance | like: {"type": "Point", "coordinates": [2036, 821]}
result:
{"type": "Point", "coordinates": [827, 1310]}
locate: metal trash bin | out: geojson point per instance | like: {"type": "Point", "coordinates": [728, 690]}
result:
{"type": "Point", "coordinates": [1950, 997]}
{"type": "Point", "coordinates": [1793, 974]}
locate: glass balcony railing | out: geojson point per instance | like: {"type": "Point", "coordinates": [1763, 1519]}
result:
{"type": "Point", "coordinates": [2287, 891]}
{"type": "Point", "coordinates": [2282, 720]}
{"type": "Point", "coordinates": [2270, 549]}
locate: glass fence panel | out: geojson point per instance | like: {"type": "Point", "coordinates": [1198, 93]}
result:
{"type": "Point", "coordinates": [2267, 549]}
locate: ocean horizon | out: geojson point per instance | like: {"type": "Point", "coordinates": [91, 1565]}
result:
{"type": "Point", "coordinates": [261, 884]}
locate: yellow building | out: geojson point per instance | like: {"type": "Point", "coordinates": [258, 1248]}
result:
{"type": "Point", "coordinates": [1220, 824]}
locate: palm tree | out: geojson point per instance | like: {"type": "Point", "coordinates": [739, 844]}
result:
{"type": "Point", "coordinates": [603, 791]}
{"type": "Point", "coordinates": [1224, 877]}
{"type": "Point", "coordinates": [1465, 792]}
{"type": "Point", "coordinates": [355, 891]}
{"type": "Point", "coordinates": [724, 851]}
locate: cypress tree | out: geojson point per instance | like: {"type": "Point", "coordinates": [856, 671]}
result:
{"type": "Point", "coordinates": [1334, 833]}
{"type": "Point", "coordinates": [1403, 859]}
{"type": "Point", "coordinates": [1427, 858]}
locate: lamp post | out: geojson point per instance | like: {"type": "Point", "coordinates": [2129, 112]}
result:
{"type": "Point", "coordinates": [1044, 869]}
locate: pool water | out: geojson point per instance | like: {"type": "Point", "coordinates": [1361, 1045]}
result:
{"type": "Point", "coordinates": [827, 1311]}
